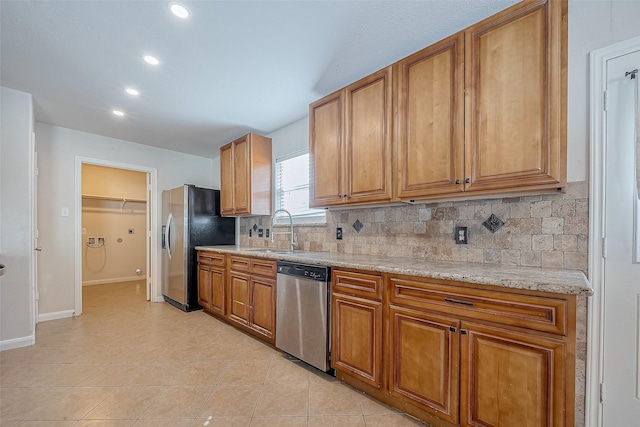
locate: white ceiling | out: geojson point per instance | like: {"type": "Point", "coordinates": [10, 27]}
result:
{"type": "Point", "coordinates": [233, 67]}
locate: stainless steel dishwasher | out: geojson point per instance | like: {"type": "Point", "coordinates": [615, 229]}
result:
{"type": "Point", "coordinates": [303, 317]}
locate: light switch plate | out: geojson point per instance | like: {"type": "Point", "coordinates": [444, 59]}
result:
{"type": "Point", "coordinates": [64, 212]}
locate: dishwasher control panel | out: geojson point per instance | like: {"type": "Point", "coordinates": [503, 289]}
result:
{"type": "Point", "coordinates": [319, 273]}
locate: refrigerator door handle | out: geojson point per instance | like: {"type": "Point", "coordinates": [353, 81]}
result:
{"type": "Point", "coordinates": [169, 232]}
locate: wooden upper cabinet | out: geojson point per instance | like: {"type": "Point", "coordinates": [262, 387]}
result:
{"type": "Point", "coordinates": [350, 143]}
{"type": "Point", "coordinates": [368, 105]}
{"type": "Point", "coordinates": [516, 98]}
{"type": "Point", "coordinates": [326, 150]}
{"type": "Point", "coordinates": [430, 121]}
{"type": "Point", "coordinates": [245, 176]}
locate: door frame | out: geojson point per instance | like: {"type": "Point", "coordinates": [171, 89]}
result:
{"type": "Point", "coordinates": [152, 210]}
{"type": "Point", "coordinates": [597, 170]}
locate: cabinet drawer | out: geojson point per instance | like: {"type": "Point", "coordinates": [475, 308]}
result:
{"type": "Point", "coordinates": [239, 263]}
{"type": "Point", "coordinates": [263, 267]}
{"type": "Point", "coordinates": [210, 258]}
{"type": "Point", "coordinates": [363, 284]}
{"type": "Point", "coordinates": [540, 313]}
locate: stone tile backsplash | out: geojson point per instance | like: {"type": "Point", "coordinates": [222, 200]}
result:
{"type": "Point", "coordinates": [538, 231]}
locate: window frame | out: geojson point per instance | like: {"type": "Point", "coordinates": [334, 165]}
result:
{"type": "Point", "coordinates": [316, 218]}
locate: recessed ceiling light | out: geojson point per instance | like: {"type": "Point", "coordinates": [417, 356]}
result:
{"type": "Point", "coordinates": [179, 10]}
{"type": "Point", "coordinates": [131, 91]}
{"type": "Point", "coordinates": [118, 113]}
{"type": "Point", "coordinates": [151, 60]}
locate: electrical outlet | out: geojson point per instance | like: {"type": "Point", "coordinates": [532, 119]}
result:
{"type": "Point", "coordinates": [461, 235]}
{"type": "Point", "coordinates": [260, 232]}
{"type": "Point", "coordinates": [266, 233]}
{"type": "Point", "coordinates": [250, 232]}
{"type": "Point", "coordinates": [339, 233]}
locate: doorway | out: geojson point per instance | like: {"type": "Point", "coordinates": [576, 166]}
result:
{"type": "Point", "coordinates": [114, 224]}
{"type": "Point", "coordinates": [115, 216]}
{"type": "Point", "coordinates": [614, 264]}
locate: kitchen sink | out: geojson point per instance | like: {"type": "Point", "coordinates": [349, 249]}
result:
{"type": "Point", "coordinates": [270, 251]}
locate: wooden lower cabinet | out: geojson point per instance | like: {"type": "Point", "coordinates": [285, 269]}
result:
{"type": "Point", "coordinates": [459, 354]}
{"type": "Point", "coordinates": [239, 297]}
{"type": "Point", "coordinates": [424, 361]}
{"type": "Point", "coordinates": [204, 286]}
{"type": "Point", "coordinates": [252, 296]}
{"type": "Point", "coordinates": [512, 379]}
{"type": "Point", "coordinates": [211, 282]}
{"type": "Point", "coordinates": [263, 306]}
{"type": "Point", "coordinates": [357, 338]}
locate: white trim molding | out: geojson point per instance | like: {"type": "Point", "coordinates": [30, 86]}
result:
{"type": "Point", "coordinates": [45, 317]}
{"type": "Point", "coordinates": [17, 343]}
{"type": "Point", "coordinates": [597, 138]}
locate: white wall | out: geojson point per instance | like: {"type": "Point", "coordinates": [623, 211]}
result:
{"type": "Point", "coordinates": [16, 238]}
{"type": "Point", "coordinates": [57, 149]}
{"type": "Point", "coordinates": [593, 24]}
{"type": "Point", "coordinates": [291, 138]}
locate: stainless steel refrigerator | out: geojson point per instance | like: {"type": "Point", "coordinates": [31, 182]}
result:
{"type": "Point", "coordinates": [191, 217]}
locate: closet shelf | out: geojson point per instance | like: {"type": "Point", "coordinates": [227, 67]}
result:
{"type": "Point", "coordinates": [111, 198]}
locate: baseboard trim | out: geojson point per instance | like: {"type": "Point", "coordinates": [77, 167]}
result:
{"type": "Point", "coordinates": [108, 281]}
{"type": "Point", "coordinates": [17, 343]}
{"type": "Point", "coordinates": [44, 317]}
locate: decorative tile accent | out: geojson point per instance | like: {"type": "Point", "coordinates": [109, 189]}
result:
{"type": "Point", "coordinates": [493, 223]}
{"type": "Point", "coordinates": [255, 227]}
{"type": "Point", "coordinates": [358, 225]}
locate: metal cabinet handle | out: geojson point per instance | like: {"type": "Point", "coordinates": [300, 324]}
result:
{"type": "Point", "coordinates": [457, 181]}
{"type": "Point", "coordinates": [467, 180]}
{"type": "Point", "coordinates": [39, 249]}
{"type": "Point", "coordinates": [457, 301]}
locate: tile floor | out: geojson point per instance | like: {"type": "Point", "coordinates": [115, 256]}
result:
{"type": "Point", "coordinates": [128, 362]}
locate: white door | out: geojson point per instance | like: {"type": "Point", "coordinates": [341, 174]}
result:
{"type": "Point", "coordinates": [621, 375]}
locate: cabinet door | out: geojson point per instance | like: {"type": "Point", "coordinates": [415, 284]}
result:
{"type": "Point", "coordinates": [368, 106]}
{"type": "Point", "coordinates": [430, 120]}
{"type": "Point", "coordinates": [204, 286]}
{"type": "Point", "coordinates": [357, 338]}
{"type": "Point", "coordinates": [263, 305]}
{"type": "Point", "coordinates": [241, 178]}
{"type": "Point", "coordinates": [239, 297]}
{"type": "Point", "coordinates": [217, 304]}
{"type": "Point", "coordinates": [424, 361]}
{"type": "Point", "coordinates": [326, 155]}
{"type": "Point", "coordinates": [516, 105]}
{"type": "Point", "coordinates": [226, 180]}
{"type": "Point", "coordinates": [511, 379]}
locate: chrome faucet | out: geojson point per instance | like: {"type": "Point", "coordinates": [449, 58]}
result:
{"type": "Point", "coordinates": [293, 238]}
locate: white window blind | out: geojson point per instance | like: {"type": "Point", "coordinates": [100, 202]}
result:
{"type": "Point", "coordinates": [292, 189]}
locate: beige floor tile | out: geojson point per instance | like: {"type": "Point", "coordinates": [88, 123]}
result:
{"type": "Point", "coordinates": [66, 375]}
{"type": "Point", "coordinates": [245, 373]}
{"type": "Point", "coordinates": [279, 422]}
{"type": "Point", "coordinates": [201, 373]}
{"type": "Point", "coordinates": [17, 403]}
{"type": "Point", "coordinates": [21, 375]}
{"type": "Point", "coordinates": [286, 371]}
{"type": "Point", "coordinates": [337, 421]}
{"type": "Point", "coordinates": [157, 374]}
{"type": "Point", "coordinates": [392, 421]}
{"type": "Point", "coordinates": [171, 422]}
{"type": "Point", "coordinates": [112, 375]}
{"type": "Point", "coordinates": [104, 423]}
{"type": "Point", "coordinates": [126, 403]}
{"type": "Point", "coordinates": [221, 422]}
{"type": "Point", "coordinates": [231, 401]}
{"type": "Point", "coordinates": [72, 405]}
{"type": "Point", "coordinates": [179, 402]}
{"type": "Point", "coordinates": [333, 399]}
{"type": "Point", "coordinates": [283, 400]}
{"type": "Point", "coordinates": [44, 424]}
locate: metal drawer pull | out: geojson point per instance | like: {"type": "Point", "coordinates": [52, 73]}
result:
{"type": "Point", "coordinates": [457, 301]}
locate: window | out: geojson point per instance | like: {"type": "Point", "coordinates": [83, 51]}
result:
{"type": "Point", "coordinates": [292, 189]}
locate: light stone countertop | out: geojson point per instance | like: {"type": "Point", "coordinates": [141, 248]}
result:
{"type": "Point", "coordinates": [530, 278]}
